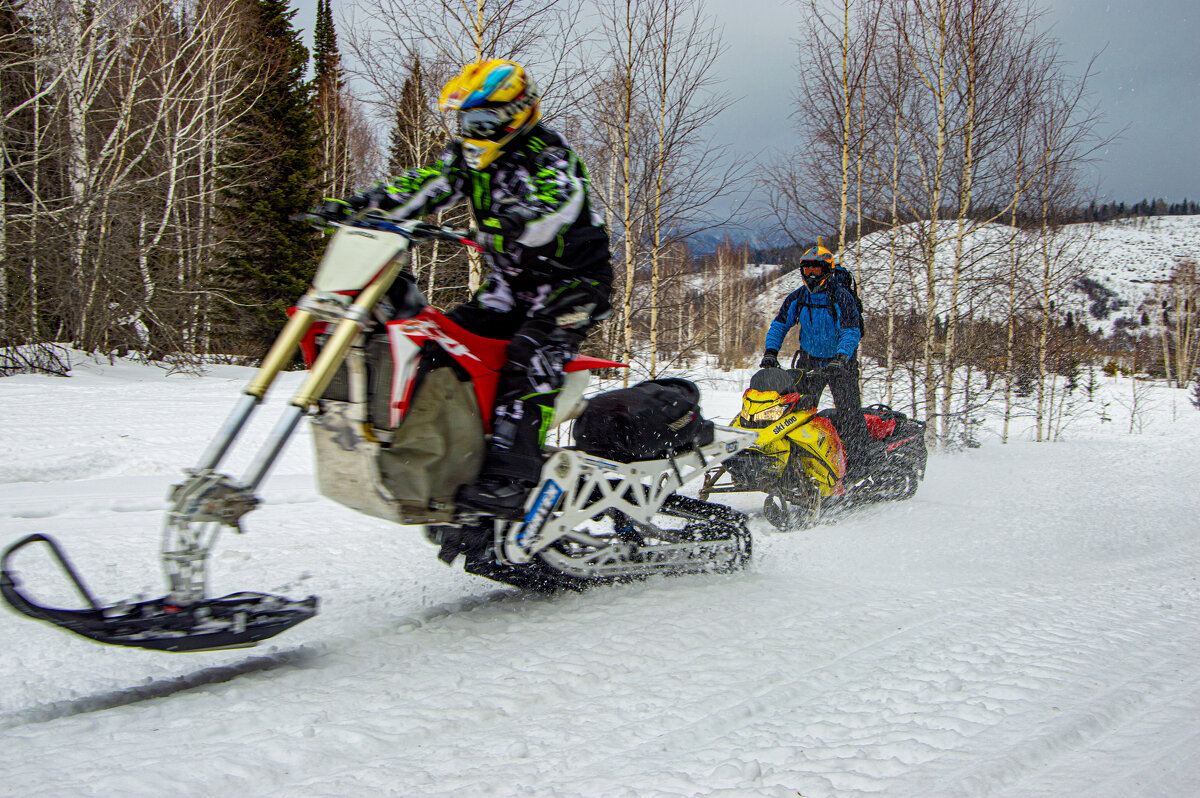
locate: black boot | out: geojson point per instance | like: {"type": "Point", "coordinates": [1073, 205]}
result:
{"type": "Point", "coordinates": [475, 541]}
{"type": "Point", "coordinates": [501, 497]}
{"type": "Point", "coordinates": [856, 462]}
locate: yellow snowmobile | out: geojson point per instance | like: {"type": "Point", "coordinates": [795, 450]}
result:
{"type": "Point", "coordinates": [799, 461]}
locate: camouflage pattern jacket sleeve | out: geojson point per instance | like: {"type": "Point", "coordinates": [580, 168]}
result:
{"type": "Point", "coordinates": [421, 191]}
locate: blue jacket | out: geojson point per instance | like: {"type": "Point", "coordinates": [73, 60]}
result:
{"type": "Point", "coordinates": [823, 333]}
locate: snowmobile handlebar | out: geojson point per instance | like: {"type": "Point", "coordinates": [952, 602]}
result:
{"type": "Point", "coordinates": [822, 371]}
{"type": "Point", "coordinates": [825, 371]}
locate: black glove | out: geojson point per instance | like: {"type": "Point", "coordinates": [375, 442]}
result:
{"type": "Point", "coordinates": [505, 224]}
{"type": "Point", "coordinates": [770, 360]}
{"type": "Point", "coordinates": [489, 241]}
{"type": "Point", "coordinates": [334, 210]}
{"type": "Point", "coordinates": [496, 231]}
{"type": "Point", "coordinates": [839, 363]}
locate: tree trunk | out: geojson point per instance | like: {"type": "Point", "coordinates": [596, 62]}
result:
{"type": "Point", "coordinates": [964, 207]}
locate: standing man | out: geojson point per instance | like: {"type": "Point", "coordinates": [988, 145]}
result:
{"type": "Point", "coordinates": [549, 267]}
{"type": "Point", "coordinates": [830, 328]}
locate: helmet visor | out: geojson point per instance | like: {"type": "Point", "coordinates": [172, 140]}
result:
{"type": "Point", "coordinates": [483, 123]}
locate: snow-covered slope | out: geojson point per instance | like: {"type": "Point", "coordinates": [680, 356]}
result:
{"type": "Point", "coordinates": [1124, 263]}
{"type": "Point", "coordinates": [1026, 626]}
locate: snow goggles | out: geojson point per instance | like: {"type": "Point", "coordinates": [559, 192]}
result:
{"type": "Point", "coordinates": [814, 267]}
{"type": "Point", "coordinates": [483, 123]}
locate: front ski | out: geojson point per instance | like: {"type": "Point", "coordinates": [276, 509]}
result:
{"type": "Point", "coordinates": [238, 620]}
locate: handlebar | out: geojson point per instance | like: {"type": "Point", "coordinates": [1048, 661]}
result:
{"type": "Point", "coordinates": [410, 229]}
{"type": "Point", "coordinates": [826, 370]}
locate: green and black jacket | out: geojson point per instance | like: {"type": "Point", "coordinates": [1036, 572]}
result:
{"type": "Point", "coordinates": [534, 200]}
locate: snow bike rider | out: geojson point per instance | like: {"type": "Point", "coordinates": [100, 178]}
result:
{"type": "Point", "coordinates": [830, 330]}
{"type": "Point", "coordinates": [549, 267]}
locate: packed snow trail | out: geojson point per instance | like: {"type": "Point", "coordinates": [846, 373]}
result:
{"type": "Point", "coordinates": [1025, 626]}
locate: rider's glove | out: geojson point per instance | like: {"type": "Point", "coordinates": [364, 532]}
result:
{"type": "Point", "coordinates": [770, 360]}
{"type": "Point", "coordinates": [376, 196]}
{"type": "Point", "coordinates": [333, 210]}
{"type": "Point", "coordinates": [490, 242]}
{"type": "Point", "coordinates": [840, 362]}
{"type": "Point", "coordinates": [336, 210]}
{"type": "Point", "coordinates": [496, 231]}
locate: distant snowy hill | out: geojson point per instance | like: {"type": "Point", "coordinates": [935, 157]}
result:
{"type": "Point", "coordinates": [765, 273]}
{"type": "Point", "coordinates": [1123, 262]}
{"type": "Point", "coordinates": [706, 242]}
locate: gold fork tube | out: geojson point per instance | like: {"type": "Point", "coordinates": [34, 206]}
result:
{"type": "Point", "coordinates": [335, 349]}
{"type": "Point", "coordinates": [281, 353]}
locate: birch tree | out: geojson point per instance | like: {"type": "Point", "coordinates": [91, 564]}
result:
{"type": "Point", "coordinates": [1179, 314]}
{"type": "Point", "coordinates": [687, 175]}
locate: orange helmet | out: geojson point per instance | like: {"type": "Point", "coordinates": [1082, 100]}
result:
{"type": "Point", "coordinates": [815, 267]}
{"type": "Point", "coordinates": [495, 102]}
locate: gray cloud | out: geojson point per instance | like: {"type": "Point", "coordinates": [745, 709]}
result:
{"type": "Point", "coordinates": [1146, 83]}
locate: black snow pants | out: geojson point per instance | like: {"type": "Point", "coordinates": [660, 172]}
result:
{"type": "Point", "coordinates": [545, 324]}
{"type": "Point", "coordinates": [843, 386]}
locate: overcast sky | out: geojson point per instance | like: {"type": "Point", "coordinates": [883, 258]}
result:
{"type": "Point", "coordinates": [1146, 83]}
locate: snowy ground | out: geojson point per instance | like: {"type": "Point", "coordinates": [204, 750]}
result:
{"type": "Point", "coordinates": [1027, 625]}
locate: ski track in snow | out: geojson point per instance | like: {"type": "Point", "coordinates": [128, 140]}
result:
{"type": "Point", "coordinates": [1027, 625]}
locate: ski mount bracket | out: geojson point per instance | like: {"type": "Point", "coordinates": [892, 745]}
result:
{"type": "Point", "coordinates": [199, 507]}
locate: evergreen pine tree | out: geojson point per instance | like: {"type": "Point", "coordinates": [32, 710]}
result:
{"type": "Point", "coordinates": [1196, 390]}
{"type": "Point", "coordinates": [272, 171]}
{"type": "Point", "coordinates": [326, 60]}
{"type": "Point", "coordinates": [1092, 383]}
{"type": "Point", "coordinates": [332, 113]}
{"type": "Point", "coordinates": [409, 143]}
{"type": "Point", "coordinates": [1072, 373]}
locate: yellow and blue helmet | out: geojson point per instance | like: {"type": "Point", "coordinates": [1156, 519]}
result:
{"type": "Point", "coordinates": [495, 101]}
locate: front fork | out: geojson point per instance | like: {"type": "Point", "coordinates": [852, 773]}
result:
{"type": "Point", "coordinates": [206, 500]}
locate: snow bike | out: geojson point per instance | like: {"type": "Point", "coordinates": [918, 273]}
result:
{"type": "Point", "coordinates": [394, 389]}
{"type": "Point", "coordinates": [799, 461]}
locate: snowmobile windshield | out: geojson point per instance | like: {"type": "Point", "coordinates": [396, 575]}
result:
{"type": "Point", "coordinates": [776, 380]}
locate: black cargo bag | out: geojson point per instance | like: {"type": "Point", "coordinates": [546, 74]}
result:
{"type": "Point", "coordinates": [651, 420]}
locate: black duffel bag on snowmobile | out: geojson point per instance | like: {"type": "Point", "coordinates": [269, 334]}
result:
{"type": "Point", "coordinates": [653, 419]}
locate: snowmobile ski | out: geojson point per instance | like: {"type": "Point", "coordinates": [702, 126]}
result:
{"type": "Point", "coordinates": [234, 621]}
